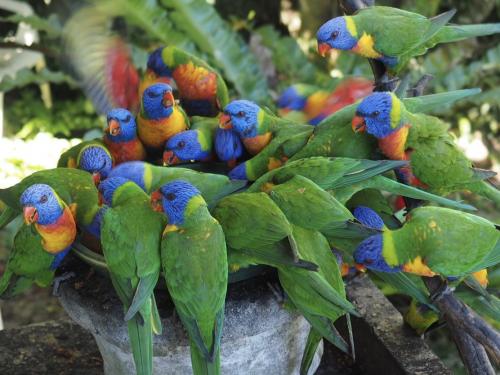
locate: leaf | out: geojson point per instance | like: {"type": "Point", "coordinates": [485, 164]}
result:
{"type": "Point", "coordinates": [51, 25]}
{"type": "Point", "coordinates": [290, 61]}
{"type": "Point", "coordinates": [201, 22]}
{"type": "Point", "coordinates": [27, 76]}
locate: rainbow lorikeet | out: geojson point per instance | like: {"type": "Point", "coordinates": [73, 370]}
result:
{"type": "Point", "coordinates": [91, 156]}
{"type": "Point", "coordinates": [194, 144]}
{"type": "Point", "coordinates": [74, 187]}
{"type": "Point", "coordinates": [156, 72]}
{"type": "Point", "coordinates": [202, 91]}
{"type": "Point", "coordinates": [160, 117]}
{"type": "Point", "coordinates": [343, 177]}
{"type": "Point", "coordinates": [373, 33]}
{"type": "Point", "coordinates": [150, 178]}
{"type": "Point", "coordinates": [131, 248]}
{"type": "Point", "coordinates": [271, 139]}
{"type": "Point", "coordinates": [436, 163]}
{"type": "Point", "coordinates": [194, 260]}
{"type": "Point", "coordinates": [432, 241]}
{"type": "Point", "coordinates": [228, 146]}
{"type": "Point", "coordinates": [270, 240]}
{"type": "Point", "coordinates": [36, 256]}
{"type": "Point", "coordinates": [101, 61]}
{"type": "Point", "coordinates": [120, 136]}
{"type": "Point", "coordinates": [318, 104]}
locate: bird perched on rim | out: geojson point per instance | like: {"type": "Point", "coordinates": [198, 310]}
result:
{"type": "Point", "coordinates": [130, 237]}
{"type": "Point", "coordinates": [433, 240]}
{"type": "Point", "coordinates": [372, 32]}
{"type": "Point", "coordinates": [151, 177]}
{"type": "Point", "coordinates": [194, 260]}
{"type": "Point", "coordinates": [90, 156]}
{"type": "Point", "coordinates": [74, 187]}
{"type": "Point", "coordinates": [202, 91]}
{"type": "Point", "coordinates": [160, 117]}
{"type": "Point", "coordinates": [435, 162]}
{"type": "Point", "coordinates": [228, 146]}
{"type": "Point", "coordinates": [190, 145]}
{"type": "Point", "coordinates": [120, 136]}
{"type": "Point", "coordinates": [343, 177]}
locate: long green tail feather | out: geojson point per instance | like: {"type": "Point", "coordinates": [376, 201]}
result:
{"type": "Point", "coordinates": [428, 103]}
{"type": "Point", "coordinates": [200, 364]}
{"type": "Point", "coordinates": [141, 341]}
{"type": "Point", "coordinates": [372, 168]}
{"type": "Point", "coordinates": [155, 317]}
{"type": "Point", "coordinates": [313, 340]}
{"type": "Point", "coordinates": [142, 293]}
{"type": "Point", "coordinates": [490, 260]}
{"type": "Point", "coordinates": [487, 190]}
{"type": "Point", "coordinates": [438, 22]}
{"type": "Point", "coordinates": [275, 257]}
{"type": "Point", "coordinates": [391, 186]}
{"type": "Point", "coordinates": [455, 33]}
{"type": "Point", "coordinates": [331, 295]}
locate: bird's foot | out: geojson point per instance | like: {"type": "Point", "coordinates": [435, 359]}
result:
{"type": "Point", "coordinates": [420, 86]}
{"type": "Point", "coordinates": [59, 280]}
{"type": "Point", "coordinates": [277, 291]}
{"type": "Point", "coordinates": [386, 83]}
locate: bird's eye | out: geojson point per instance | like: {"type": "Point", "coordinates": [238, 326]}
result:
{"type": "Point", "coordinates": [43, 199]}
{"type": "Point", "coordinates": [127, 119]}
{"type": "Point", "coordinates": [153, 94]}
{"type": "Point", "coordinates": [170, 196]}
{"type": "Point", "coordinates": [368, 261]}
{"type": "Point", "coordinates": [375, 113]}
{"type": "Point", "coordinates": [181, 144]}
{"type": "Point", "coordinates": [240, 114]}
{"type": "Point", "coordinates": [335, 34]}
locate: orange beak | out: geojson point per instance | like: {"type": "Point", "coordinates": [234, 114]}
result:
{"type": "Point", "coordinates": [30, 215]}
{"type": "Point", "coordinates": [169, 158]}
{"type": "Point", "coordinates": [168, 99]}
{"type": "Point", "coordinates": [358, 124]}
{"type": "Point", "coordinates": [225, 122]}
{"type": "Point", "coordinates": [113, 127]}
{"type": "Point", "coordinates": [156, 201]}
{"type": "Point", "coordinates": [360, 267]}
{"type": "Point", "coordinates": [323, 49]}
{"type": "Point", "coordinates": [96, 176]}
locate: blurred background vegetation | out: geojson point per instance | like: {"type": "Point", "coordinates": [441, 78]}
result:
{"type": "Point", "coordinates": [260, 46]}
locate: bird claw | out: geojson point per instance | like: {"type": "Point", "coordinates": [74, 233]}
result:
{"type": "Point", "coordinates": [59, 280]}
{"type": "Point", "coordinates": [386, 83]}
{"type": "Point", "coordinates": [277, 291]}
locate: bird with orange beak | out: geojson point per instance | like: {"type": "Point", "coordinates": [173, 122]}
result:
{"type": "Point", "coordinates": [120, 136]}
{"type": "Point", "coordinates": [160, 117]}
{"type": "Point", "coordinates": [96, 160]}
{"type": "Point", "coordinates": [52, 218]}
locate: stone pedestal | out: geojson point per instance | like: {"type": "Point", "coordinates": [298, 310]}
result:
{"type": "Point", "coordinates": [259, 336]}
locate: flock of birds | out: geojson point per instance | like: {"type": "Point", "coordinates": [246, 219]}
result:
{"type": "Point", "coordinates": [293, 191]}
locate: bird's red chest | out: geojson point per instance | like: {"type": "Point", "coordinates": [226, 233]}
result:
{"type": "Point", "coordinates": [58, 236]}
{"type": "Point", "coordinates": [126, 151]}
{"type": "Point", "coordinates": [393, 146]}
{"type": "Point", "coordinates": [195, 82]}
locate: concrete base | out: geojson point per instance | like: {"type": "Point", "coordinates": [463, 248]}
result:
{"type": "Point", "coordinates": [259, 336]}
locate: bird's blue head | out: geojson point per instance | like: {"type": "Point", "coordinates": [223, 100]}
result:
{"type": "Point", "coordinates": [243, 116]}
{"type": "Point", "coordinates": [291, 100]}
{"type": "Point", "coordinates": [41, 205]}
{"type": "Point", "coordinates": [369, 254]}
{"type": "Point", "coordinates": [380, 114]}
{"type": "Point", "coordinates": [158, 101]}
{"type": "Point", "coordinates": [176, 196]}
{"type": "Point", "coordinates": [368, 217]}
{"type": "Point", "coordinates": [108, 188]}
{"type": "Point", "coordinates": [134, 171]}
{"type": "Point", "coordinates": [227, 145]}
{"type": "Point", "coordinates": [157, 65]}
{"type": "Point", "coordinates": [121, 126]}
{"type": "Point", "coordinates": [339, 33]}
{"type": "Point", "coordinates": [185, 146]}
{"type": "Point", "coordinates": [95, 160]}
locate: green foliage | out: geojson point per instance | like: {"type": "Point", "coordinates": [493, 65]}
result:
{"type": "Point", "coordinates": [27, 116]}
{"type": "Point", "coordinates": [27, 76]}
